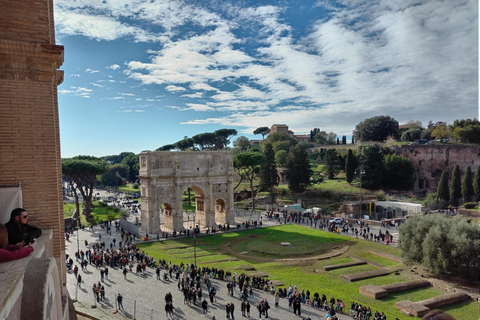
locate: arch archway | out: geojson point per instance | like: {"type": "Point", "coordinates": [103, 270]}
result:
{"type": "Point", "coordinates": [164, 176]}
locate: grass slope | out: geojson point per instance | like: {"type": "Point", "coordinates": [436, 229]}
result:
{"type": "Point", "coordinates": [261, 249]}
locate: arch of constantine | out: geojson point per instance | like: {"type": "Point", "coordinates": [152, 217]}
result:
{"type": "Point", "coordinates": [165, 176]}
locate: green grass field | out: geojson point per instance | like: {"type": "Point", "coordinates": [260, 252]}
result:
{"type": "Point", "coordinates": [99, 212]}
{"type": "Point", "coordinates": [261, 249]}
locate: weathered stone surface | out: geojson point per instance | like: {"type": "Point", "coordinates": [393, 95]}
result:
{"type": "Point", "coordinates": [430, 160]}
{"type": "Point", "coordinates": [164, 176]}
{"type": "Point", "coordinates": [373, 291]}
{"type": "Point", "coordinates": [376, 292]}
{"type": "Point", "coordinates": [343, 265]}
{"type": "Point", "coordinates": [367, 274]}
{"type": "Point", "coordinates": [420, 308]}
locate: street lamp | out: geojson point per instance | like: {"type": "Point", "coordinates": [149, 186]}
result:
{"type": "Point", "coordinates": [361, 171]}
{"type": "Point", "coordinates": [76, 219]}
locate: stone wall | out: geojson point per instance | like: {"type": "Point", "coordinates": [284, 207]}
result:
{"type": "Point", "coordinates": [431, 160]}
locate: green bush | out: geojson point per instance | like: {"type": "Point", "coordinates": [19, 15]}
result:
{"type": "Point", "coordinates": [135, 185]}
{"type": "Point", "coordinates": [442, 245]}
{"type": "Point", "coordinates": [380, 195]}
{"type": "Point", "coordinates": [469, 205]}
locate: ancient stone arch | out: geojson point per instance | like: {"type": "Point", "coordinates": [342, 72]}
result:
{"type": "Point", "coordinates": [164, 177]}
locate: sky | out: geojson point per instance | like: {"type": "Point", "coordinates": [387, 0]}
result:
{"type": "Point", "coordinates": [141, 74]}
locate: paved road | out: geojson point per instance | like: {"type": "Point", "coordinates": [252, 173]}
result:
{"type": "Point", "coordinates": [143, 295]}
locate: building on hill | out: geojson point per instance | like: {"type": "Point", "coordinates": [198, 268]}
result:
{"type": "Point", "coordinates": [30, 166]}
{"type": "Point", "coordinates": [302, 138]}
{"type": "Point", "coordinates": [279, 128]}
{"type": "Point", "coordinates": [283, 128]}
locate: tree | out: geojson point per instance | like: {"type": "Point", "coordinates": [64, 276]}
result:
{"type": "Point", "coordinates": [350, 166]}
{"type": "Point", "coordinates": [344, 139]}
{"type": "Point", "coordinates": [399, 172]}
{"type": "Point", "coordinates": [411, 134]}
{"type": "Point", "coordinates": [166, 147]}
{"type": "Point", "coordinates": [205, 140]}
{"type": "Point", "coordinates": [467, 130]}
{"type": "Point", "coordinates": [441, 132]}
{"type": "Point", "coordinates": [377, 128]}
{"type": "Point", "coordinates": [132, 163]}
{"type": "Point", "coordinates": [442, 188]}
{"type": "Point", "coordinates": [268, 171]}
{"type": "Point", "coordinates": [420, 237]}
{"type": "Point", "coordinates": [247, 164]}
{"type": "Point", "coordinates": [313, 133]}
{"type": "Point", "coordinates": [114, 176]}
{"type": "Point", "coordinates": [455, 186]}
{"type": "Point", "coordinates": [373, 166]}
{"type": "Point", "coordinates": [81, 173]}
{"type": "Point", "coordinates": [182, 145]}
{"type": "Point", "coordinates": [223, 137]}
{"type": "Point", "coordinates": [476, 184]}
{"type": "Point", "coordinates": [298, 169]}
{"type": "Point", "coordinates": [263, 131]}
{"type": "Point", "coordinates": [242, 143]}
{"type": "Point", "coordinates": [320, 137]}
{"type": "Point", "coordinates": [467, 185]}
{"type": "Point", "coordinates": [332, 163]}
{"type": "Point", "coordinates": [281, 158]}
{"type": "Point", "coordinates": [332, 138]}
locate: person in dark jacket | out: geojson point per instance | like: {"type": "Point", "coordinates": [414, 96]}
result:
{"type": "Point", "coordinates": [18, 228]}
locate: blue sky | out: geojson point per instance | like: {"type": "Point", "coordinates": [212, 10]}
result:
{"type": "Point", "coordinates": [142, 74]}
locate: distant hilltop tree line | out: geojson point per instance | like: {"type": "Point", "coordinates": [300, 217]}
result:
{"type": "Point", "coordinates": [217, 140]}
{"type": "Point", "coordinates": [380, 128]}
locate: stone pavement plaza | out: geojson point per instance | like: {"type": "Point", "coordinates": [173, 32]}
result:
{"type": "Point", "coordinates": [143, 295]}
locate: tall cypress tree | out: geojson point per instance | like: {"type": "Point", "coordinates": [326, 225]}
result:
{"type": "Point", "coordinates": [467, 185]}
{"type": "Point", "coordinates": [298, 169]}
{"type": "Point", "coordinates": [442, 188]}
{"type": "Point", "coordinates": [350, 166]}
{"type": "Point", "coordinates": [455, 186]}
{"type": "Point", "coordinates": [476, 184]}
{"type": "Point", "coordinates": [268, 171]}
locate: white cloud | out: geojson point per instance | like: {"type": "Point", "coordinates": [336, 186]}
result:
{"type": "Point", "coordinates": [193, 95]}
{"type": "Point", "coordinates": [173, 88]}
{"type": "Point", "coordinates": [113, 67]}
{"type": "Point", "coordinates": [198, 107]}
{"type": "Point", "coordinates": [76, 91]}
{"type": "Point", "coordinates": [88, 70]}
{"type": "Point", "coordinates": [74, 75]}
{"type": "Point", "coordinates": [96, 85]}
{"type": "Point", "coordinates": [202, 86]}
{"type": "Point", "coordinates": [114, 98]}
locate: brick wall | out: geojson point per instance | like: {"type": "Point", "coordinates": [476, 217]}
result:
{"type": "Point", "coordinates": [29, 125]}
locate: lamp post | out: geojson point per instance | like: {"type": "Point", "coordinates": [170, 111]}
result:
{"type": "Point", "coordinates": [76, 219]}
{"type": "Point", "coordinates": [360, 173]}
{"type": "Point", "coordinates": [195, 238]}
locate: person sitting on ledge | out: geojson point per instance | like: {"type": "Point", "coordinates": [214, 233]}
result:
{"type": "Point", "coordinates": [11, 252]}
{"type": "Point", "coordinates": [18, 228]}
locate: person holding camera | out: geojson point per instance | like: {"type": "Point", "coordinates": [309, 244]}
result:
{"type": "Point", "coordinates": [11, 252]}
{"type": "Point", "coordinates": [19, 232]}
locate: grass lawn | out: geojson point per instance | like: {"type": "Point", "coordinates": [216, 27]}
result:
{"type": "Point", "coordinates": [128, 188]}
{"type": "Point", "coordinates": [340, 184]}
{"type": "Point", "coordinates": [99, 212]}
{"type": "Point", "coordinates": [261, 249]}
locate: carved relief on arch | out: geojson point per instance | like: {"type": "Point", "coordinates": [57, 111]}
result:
{"type": "Point", "coordinates": [220, 188]}
{"type": "Point", "coordinates": [165, 194]}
